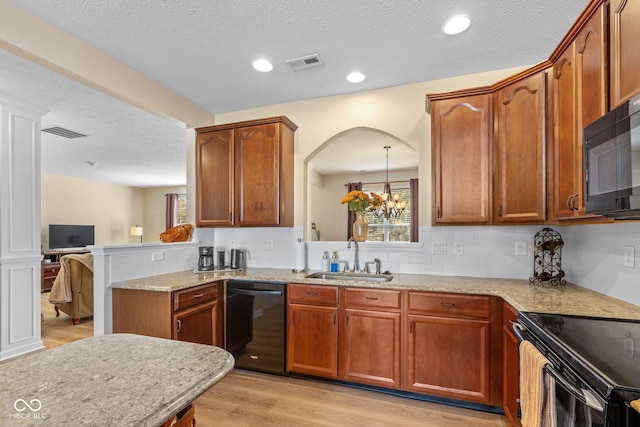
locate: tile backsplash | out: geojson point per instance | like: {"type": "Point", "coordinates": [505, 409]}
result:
{"type": "Point", "coordinates": [592, 256]}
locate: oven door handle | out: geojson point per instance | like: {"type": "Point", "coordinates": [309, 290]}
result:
{"type": "Point", "coordinates": [255, 293]}
{"type": "Point", "coordinates": [518, 329]}
{"type": "Point", "coordinates": [583, 395]}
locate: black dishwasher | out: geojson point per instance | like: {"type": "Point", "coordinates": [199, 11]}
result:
{"type": "Point", "coordinates": [256, 325]}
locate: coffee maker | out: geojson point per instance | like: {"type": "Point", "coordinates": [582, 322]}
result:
{"type": "Point", "coordinates": [205, 261]}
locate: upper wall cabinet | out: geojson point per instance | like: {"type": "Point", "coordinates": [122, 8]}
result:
{"type": "Point", "coordinates": [579, 88]}
{"type": "Point", "coordinates": [461, 158]}
{"type": "Point", "coordinates": [624, 51]}
{"type": "Point", "coordinates": [519, 156]}
{"type": "Point", "coordinates": [244, 173]}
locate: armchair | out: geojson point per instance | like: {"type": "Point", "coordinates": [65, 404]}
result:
{"type": "Point", "coordinates": [72, 291]}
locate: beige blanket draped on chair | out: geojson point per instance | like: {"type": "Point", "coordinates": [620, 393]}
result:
{"type": "Point", "coordinates": [61, 289]}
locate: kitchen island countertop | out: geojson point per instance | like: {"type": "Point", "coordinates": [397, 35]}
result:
{"type": "Point", "coordinates": [118, 379]}
{"type": "Point", "coordinates": [570, 299]}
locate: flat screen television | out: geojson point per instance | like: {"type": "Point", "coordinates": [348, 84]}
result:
{"type": "Point", "coordinates": [70, 236]}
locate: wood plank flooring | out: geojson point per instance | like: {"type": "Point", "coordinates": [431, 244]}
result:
{"type": "Point", "coordinates": [248, 399]}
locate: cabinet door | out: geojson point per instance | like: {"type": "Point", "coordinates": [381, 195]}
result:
{"type": "Point", "coordinates": [257, 175]}
{"type": "Point", "coordinates": [579, 98]}
{"type": "Point", "coordinates": [625, 55]}
{"type": "Point", "coordinates": [214, 178]}
{"type": "Point", "coordinates": [591, 88]}
{"type": "Point", "coordinates": [197, 324]}
{"type": "Point", "coordinates": [461, 160]}
{"type": "Point", "coordinates": [370, 348]}
{"type": "Point", "coordinates": [510, 366]}
{"type": "Point", "coordinates": [312, 340]}
{"type": "Point", "coordinates": [449, 357]}
{"type": "Point", "coordinates": [520, 151]}
{"type": "Point", "coordinates": [564, 133]}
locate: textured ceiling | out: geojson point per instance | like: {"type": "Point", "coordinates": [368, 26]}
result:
{"type": "Point", "coordinates": [202, 49]}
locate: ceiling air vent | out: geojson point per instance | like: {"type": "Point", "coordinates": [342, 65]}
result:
{"type": "Point", "coordinates": [304, 62]}
{"type": "Point", "coordinates": [65, 133]}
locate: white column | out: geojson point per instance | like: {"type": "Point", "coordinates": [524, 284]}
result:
{"type": "Point", "coordinates": [20, 252]}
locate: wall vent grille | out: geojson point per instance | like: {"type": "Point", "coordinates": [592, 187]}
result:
{"type": "Point", "coordinates": [65, 133]}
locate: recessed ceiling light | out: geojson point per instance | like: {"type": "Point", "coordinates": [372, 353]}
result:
{"type": "Point", "coordinates": [356, 77]}
{"type": "Point", "coordinates": [262, 65]}
{"type": "Point", "coordinates": [456, 24]}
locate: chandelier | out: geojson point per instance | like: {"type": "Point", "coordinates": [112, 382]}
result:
{"type": "Point", "coordinates": [391, 206]}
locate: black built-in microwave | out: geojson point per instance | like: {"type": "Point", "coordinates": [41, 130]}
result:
{"type": "Point", "coordinates": [612, 162]}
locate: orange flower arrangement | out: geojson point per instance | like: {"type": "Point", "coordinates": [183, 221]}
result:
{"type": "Point", "coordinates": [360, 201]}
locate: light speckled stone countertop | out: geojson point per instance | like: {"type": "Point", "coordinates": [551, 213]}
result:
{"type": "Point", "coordinates": [569, 299]}
{"type": "Point", "coordinates": [110, 380]}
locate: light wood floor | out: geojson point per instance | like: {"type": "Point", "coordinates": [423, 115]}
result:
{"type": "Point", "coordinates": [248, 399]}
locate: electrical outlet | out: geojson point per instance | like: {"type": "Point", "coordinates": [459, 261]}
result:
{"type": "Point", "coordinates": [439, 248]}
{"type": "Point", "coordinates": [232, 244]}
{"type": "Point", "coordinates": [157, 256]}
{"type": "Point", "coordinates": [521, 248]}
{"type": "Point", "coordinates": [269, 245]}
{"type": "Point", "coordinates": [458, 248]}
{"type": "Point", "coordinates": [630, 256]}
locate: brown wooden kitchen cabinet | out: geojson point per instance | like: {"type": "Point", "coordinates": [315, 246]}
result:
{"type": "Point", "coordinates": [188, 315]}
{"type": "Point", "coordinates": [461, 157]}
{"type": "Point", "coordinates": [244, 173]}
{"type": "Point", "coordinates": [579, 96]}
{"type": "Point", "coordinates": [214, 183]}
{"type": "Point", "coordinates": [623, 49]}
{"type": "Point", "coordinates": [312, 333]}
{"type": "Point", "coordinates": [370, 337]}
{"type": "Point", "coordinates": [520, 164]}
{"type": "Point", "coordinates": [510, 365]}
{"type": "Point", "coordinates": [449, 347]}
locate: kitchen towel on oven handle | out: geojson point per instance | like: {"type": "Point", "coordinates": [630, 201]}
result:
{"type": "Point", "coordinates": [537, 388]}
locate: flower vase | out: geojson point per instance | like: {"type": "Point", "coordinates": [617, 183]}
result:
{"type": "Point", "coordinates": [360, 227]}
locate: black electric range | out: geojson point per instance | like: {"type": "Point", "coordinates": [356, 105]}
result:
{"type": "Point", "coordinates": [595, 359]}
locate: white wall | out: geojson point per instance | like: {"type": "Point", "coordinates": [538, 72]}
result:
{"type": "Point", "coordinates": [111, 208]}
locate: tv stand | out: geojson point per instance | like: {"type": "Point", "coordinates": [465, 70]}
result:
{"type": "Point", "coordinates": [51, 266]}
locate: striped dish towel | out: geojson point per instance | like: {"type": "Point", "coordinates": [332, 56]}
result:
{"type": "Point", "coordinates": [537, 388]}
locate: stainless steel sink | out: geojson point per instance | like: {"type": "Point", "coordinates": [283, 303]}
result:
{"type": "Point", "coordinates": [362, 277]}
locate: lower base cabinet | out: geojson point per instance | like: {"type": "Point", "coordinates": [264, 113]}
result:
{"type": "Point", "coordinates": [441, 344]}
{"type": "Point", "coordinates": [510, 366]}
{"type": "Point", "coordinates": [370, 337]}
{"type": "Point", "coordinates": [449, 357]}
{"type": "Point", "coordinates": [452, 346]}
{"type": "Point", "coordinates": [312, 333]}
{"type": "Point", "coordinates": [187, 315]}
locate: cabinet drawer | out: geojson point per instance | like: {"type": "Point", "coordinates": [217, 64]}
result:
{"type": "Point", "coordinates": [372, 298]}
{"type": "Point", "coordinates": [313, 294]}
{"type": "Point", "coordinates": [432, 303]}
{"type": "Point", "coordinates": [193, 296]}
{"type": "Point", "coordinates": [51, 270]}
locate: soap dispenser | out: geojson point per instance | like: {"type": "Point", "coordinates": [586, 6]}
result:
{"type": "Point", "coordinates": [335, 262]}
{"type": "Point", "coordinates": [325, 261]}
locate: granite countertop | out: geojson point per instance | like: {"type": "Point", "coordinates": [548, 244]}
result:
{"type": "Point", "coordinates": [569, 299]}
{"type": "Point", "coordinates": [118, 379]}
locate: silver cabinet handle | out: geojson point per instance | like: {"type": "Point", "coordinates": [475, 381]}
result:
{"type": "Point", "coordinates": [179, 326]}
